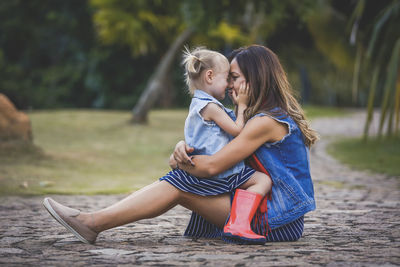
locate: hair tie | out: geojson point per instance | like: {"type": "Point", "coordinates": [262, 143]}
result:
{"type": "Point", "coordinates": [196, 57]}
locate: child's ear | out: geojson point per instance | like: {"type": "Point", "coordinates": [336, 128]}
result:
{"type": "Point", "coordinates": [209, 76]}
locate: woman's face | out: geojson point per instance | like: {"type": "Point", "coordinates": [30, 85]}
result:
{"type": "Point", "coordinates": [236, 77]}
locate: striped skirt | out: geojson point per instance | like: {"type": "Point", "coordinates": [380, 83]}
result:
{"type": "Point", "coordinates": [199, 227]}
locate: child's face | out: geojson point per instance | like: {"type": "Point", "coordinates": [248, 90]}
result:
{"type": "Point", "coordinates": [220, 83]}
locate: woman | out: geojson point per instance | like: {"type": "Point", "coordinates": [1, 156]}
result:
{"type": "Point", "coordinates": [276, 132]}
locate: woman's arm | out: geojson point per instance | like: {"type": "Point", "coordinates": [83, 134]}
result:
{"type": "Point", "coordinates": [256, 132]}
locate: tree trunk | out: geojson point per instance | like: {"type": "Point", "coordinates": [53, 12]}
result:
{"type": "Point", "coordinates": [168, 93]}
{"type": "Point", "coordinates": [155, 85]}
{"type": "Point", "coordinates": [371, 100]}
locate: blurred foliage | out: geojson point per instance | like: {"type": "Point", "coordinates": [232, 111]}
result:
{"type": "Point", "coordinates": [376, 36]}
{"type": "Point", "coordinates": [101, 53]}
{"type": "Point", "coordinates": [144, 26]}
{"type": "Point", "coordinates": [51, 58]}
{"type": "Point", "coordinates": [326, 26]}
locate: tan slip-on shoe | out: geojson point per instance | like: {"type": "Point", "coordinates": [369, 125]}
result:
{"type": "Point", "coordinates": [67, 217]}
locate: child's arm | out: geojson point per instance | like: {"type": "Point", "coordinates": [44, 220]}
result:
{"type": "Point", "coordinates": [213, 112]}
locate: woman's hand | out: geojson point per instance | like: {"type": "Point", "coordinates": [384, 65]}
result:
{"type": "Point", "coordinates": [180, 153]}
{"type": "Point", "coordinates": [172, 162]}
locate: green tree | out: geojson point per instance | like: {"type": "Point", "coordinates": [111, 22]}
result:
{"type": "Point", "coordinates": [43, 52]}
{"type": "Point", "coordinates": [374, 31]}
{"type": "Point", "coordinates": [142, 24]}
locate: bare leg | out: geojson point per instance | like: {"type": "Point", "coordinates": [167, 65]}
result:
{"type": "Point", "coordinates": [148, 202]}
{"type": "Point", "coordinates": [154, 200]}
{"type": "Point", "coordinates": [259, 183]}
{"type": "Point", "coordinates": [214, 209]}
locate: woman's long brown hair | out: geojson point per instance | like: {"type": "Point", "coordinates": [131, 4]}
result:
{"type": "Point", "coordinates": [270, 88]}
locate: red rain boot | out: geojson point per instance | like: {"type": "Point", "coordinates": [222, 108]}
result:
{"type": "Point", "coordinates": [244, 207]}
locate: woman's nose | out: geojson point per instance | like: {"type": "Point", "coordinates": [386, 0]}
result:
{"type": "Point", "coordinates": [230, 83]}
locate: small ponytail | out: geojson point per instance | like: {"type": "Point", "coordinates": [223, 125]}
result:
{"type": "Point", "coordinates": [191, 62]}
{"type": "Point", "coordinates": [196, 61]}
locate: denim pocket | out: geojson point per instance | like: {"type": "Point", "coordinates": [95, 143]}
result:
{"type": "Point", "coordinates": [284, 200]}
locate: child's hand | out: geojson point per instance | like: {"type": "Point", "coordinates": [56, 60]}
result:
{"type": "Point", "coordinates": [232, 94]}
{"type": "Point", "coordinates": [243, 95]}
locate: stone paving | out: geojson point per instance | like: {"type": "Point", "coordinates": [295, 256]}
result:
{"type": "Point", "coordinates": [356, 223]}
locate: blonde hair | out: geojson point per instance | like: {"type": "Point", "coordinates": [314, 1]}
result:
{"type": "Point", "coordinates": [198, 60]}
{"type": "Point", "coordinates": [270, 88]}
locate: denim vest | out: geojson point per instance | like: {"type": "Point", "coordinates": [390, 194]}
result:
{"type": "Point", "coordinates": [207, 137]}
{"type": "Point", "coordinates": [287, 162]}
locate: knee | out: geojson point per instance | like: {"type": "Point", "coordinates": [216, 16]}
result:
{"type": "Point", "coordinates": [259, 183]}
{"type": "Point", "coordinates": [262, 179]}
{"type": "Point", "coordinates": [186, 199]}
{"type": "Point", "coordinates": [182, 197]}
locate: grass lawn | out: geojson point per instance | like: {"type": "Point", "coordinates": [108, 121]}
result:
{"type": "Point", "coordinates": [381, 156]}
{"type": "Point", "coordinates": [93, 152]}
{"type": "Point", "coordinates": [315, 111]}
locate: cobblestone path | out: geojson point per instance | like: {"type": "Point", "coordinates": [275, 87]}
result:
{"type": "Point", "coordinates": [356, 223]}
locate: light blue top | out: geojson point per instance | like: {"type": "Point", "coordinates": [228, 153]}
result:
{"type": "Point", "coordinates": [207, 137]}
